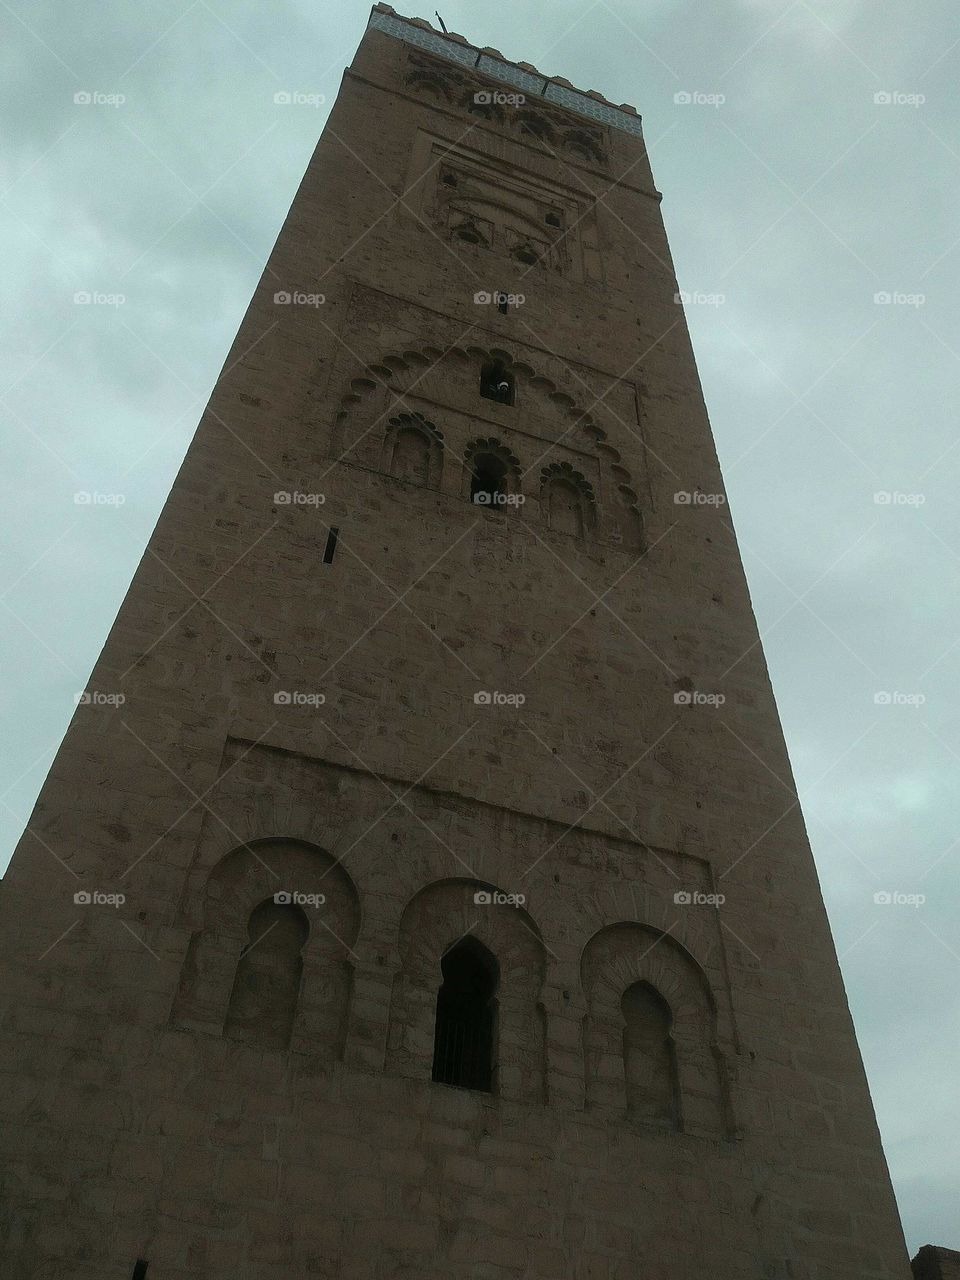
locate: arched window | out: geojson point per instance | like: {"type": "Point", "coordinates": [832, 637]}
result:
{"type": "Point", "coordinates": [464, 1035]}
{"type": "Point", "coordinates": [584, 144]}
{"type": "Point", "coordinates": [413, 450]}
{"type": "Point", "coordinates": [411, 456]}
{"type": "Point", "coordinates": [566, 500]}
{"type": "Point", "coordinates": [491, 475]}
{"type": "Point", "coordinates": [564, 508]}
{"type": "Point", "coordinates": [649, 1061]}
{"type": "Point", "coordinates": [488, 483]}
{"type": "Point", "coordinates": [434, 84]}
{"type": "Point", "coordinates": [496, 383]}
{"type": "Point", "coordinates": [266, 988]}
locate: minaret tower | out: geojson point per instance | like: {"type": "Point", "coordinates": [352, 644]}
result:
{"type": "Point", "coordinates": [421, 888]}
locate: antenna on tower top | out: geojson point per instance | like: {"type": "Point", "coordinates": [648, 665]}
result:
{"type": "Point", "coordinates": [440, 20]}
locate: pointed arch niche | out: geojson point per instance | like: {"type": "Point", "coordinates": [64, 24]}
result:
{"type": "Point", "coordinates": [272, 964]}
{"type": "Point", "coordinates": [650, 1043]}
{"type": "Point", "coordinates": [558, 444]}
{"type": "Point", "coordinates": [504, 943]}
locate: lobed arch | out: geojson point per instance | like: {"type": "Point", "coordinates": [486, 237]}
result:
{"type": "Point", "coordinates": [490, 448]}
{"type": "Point", "coordinates": [424, 464]}
{"type": "Point", "coordinates": [491, 112]}
{"type": "Point", "coordinates": [433, 76]}
{"type": "Point", "coordinates": [585, 143]}
{"type": "Point", "coordinates": [536, 124]}
{"type": "Point", "coordinates": [384, 375]}
{"type": "Point", "coordinates": [483, 208]}
{"type": "Point", "coordinates": [576, 513]}
{"type": "Point", "coordinates": [458, 87]}
{"type": "Point", "coordinates": [248, 883]}
{"type": "Point", "coordinates": [620, 958]}
{"type": "Point", "coordinates": [358, 427]}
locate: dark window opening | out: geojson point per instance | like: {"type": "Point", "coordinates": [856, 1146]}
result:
{"type": "Point", "coordinates": [331, 547]}
{"type": "Point", "coordinates": [463, 1039]}
{"type": "Point", "coordinates": [496, 384]}
{"type": "Point", "coordinates": [553, 220]}
{"type": "Point", "coordinates": [488, 484]}
{"type": "Point", "coordinates": [450, 179]}
{"type": "Point", "coordinates": [139, 1270]}
{"type": "Point", "coordinates": [469, 234]}
{"type": "Point", "coordinates": [527, 256]}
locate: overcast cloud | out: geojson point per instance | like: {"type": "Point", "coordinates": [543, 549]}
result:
{"type": "Point", "coordinates": [798, 198]}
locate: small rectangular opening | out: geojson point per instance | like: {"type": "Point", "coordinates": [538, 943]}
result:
{"type": "Point", "coordinates": [330, 548]}
{"type": "Point", "coordinates": [139, 1270]}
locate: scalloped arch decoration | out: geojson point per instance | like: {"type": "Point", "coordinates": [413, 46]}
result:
{"type": "Point", "coordinates": [491, 444]}
{"type": "Point", "coordinates": [384, 374]}
{"type": "Point", "coordinates": [569, 475]}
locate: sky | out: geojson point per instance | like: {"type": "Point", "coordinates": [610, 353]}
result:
{"type": "Point", "coordinates": [810, 163]}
